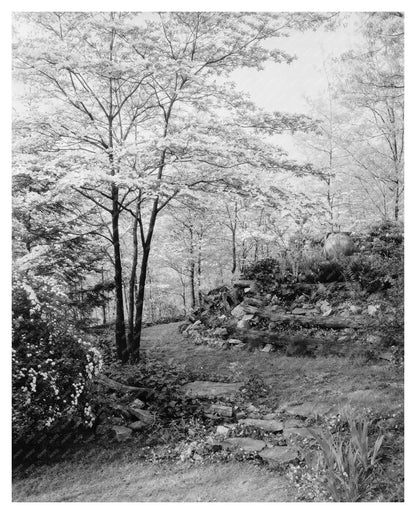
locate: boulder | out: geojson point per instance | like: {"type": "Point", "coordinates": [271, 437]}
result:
{"type": "Point", "coordinates": [268, 348]}
{"type": "Point", "coordinates": [279, 455]}
{"type": "Point", "coordinates": [121, 433]}
{"type": "Point", "coordinates": [243, 324]}
{"type": "Point", "coordinates": [338, 244]}
{"type": "Point", "coordinates": [238, 312]}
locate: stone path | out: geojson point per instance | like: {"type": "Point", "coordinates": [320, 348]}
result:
{"type": "Point", "coordinates": [291, 421]}
{"type": "Point", "coordinates": [292, 426]}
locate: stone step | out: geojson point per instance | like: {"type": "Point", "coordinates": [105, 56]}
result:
{"type": "Point", "coordinates": [246, 444]}
{"type": "Point", "coordinates": [121, 433]}
{"type": "Point", "coordinates": [268, 425]}
{"type": "Point", "coordinates": [309, 409]}
{"type": "Point", "coordinates": [279, 455]}
{"type": "Point", "coordinates": [203, 389]}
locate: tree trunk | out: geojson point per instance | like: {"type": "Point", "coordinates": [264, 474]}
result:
{"type": "Point", "coordinates": [135, 348]}
{"type": "Point", "coordinates": [132, 283]}
{"type": "Point", "coordinates": [184, 297]}
{"type": "Point", "coordinates": [118, 279]}
{"type": "Point", "coordinates": [234, 252]}
{"type": "Point", "coordinates": [146, 243]}
{"type": "Point", "coordinates": [199, 272]}
{"type": "Point", "coordinates": [192, 284]}
{"type": "Point", "coordinates": [397, 201]}
{"type": "Point", "coordinates": [192, 267]}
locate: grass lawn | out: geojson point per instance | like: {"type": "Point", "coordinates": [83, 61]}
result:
{"type": "Point", "coordinates": [338, 380]}
{"type": "Point", "coordinates": [119, 473]}
{"type": "Point", "coordinates": [92, 480]}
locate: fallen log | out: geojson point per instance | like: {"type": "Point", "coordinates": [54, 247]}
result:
{"type": "Point", "coordinates": [293, 345]}
{"type": "Point", "coordinates": [123, 388]}
{"type": "Point", "coordinates": [334, 322]}
{"type": "Point", "coordinates": [256, 338]}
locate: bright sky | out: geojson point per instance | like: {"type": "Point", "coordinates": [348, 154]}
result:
{"type": "Point", "coordinates": [284, 86]}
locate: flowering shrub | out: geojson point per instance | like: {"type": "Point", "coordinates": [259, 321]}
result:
{"type": "Point", "coordinates": [51, 366]}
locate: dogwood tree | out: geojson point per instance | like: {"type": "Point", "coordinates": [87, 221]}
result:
{"type": "Point", "coordinates": [137, 111]}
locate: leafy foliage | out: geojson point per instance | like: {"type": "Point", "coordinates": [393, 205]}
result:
{"type": "Point", "coordinates": [52, 366]}
{"type": "Point", "coordinates": [349, 464]}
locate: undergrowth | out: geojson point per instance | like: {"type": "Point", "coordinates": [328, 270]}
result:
{"type": "Point", "coordinates": [347, 466]}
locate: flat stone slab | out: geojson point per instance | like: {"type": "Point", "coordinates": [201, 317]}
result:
{"type": "Point", "coordinates": [279, 455]}
{"type": "Point", "coordinates": [246, 444]}
{"type": "Point", "coordinates": [201, 389]}
{"type": "Point", "coordinates": [225, 411]}
{"type": "Point", "coordinates": [224, 429]}
{"type": "Point", "coordinates": [121, 433]}
{"type": "Point", "coordinates": [310, 409]}
{"type": "Point", "coordinates": [269, 425]}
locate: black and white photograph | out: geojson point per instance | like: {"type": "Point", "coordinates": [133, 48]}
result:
{"type": "Point", "coordinates": [207, 249]}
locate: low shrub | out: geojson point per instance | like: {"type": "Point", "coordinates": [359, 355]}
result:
{"type": "Point", "coordinates": [267, 273]}
{"type": "Point", "coordinates": [52, 366]}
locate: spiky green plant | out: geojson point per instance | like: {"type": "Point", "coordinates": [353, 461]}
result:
{"type": "Point", "coordinates": [349, 463]}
